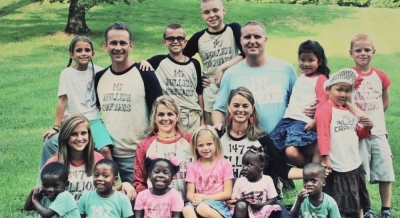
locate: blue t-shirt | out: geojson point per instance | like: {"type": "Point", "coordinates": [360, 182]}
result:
{"type": "Point", "coordinates": [117, 205]}
{"type": "Point", "coordinates": [271, 85]}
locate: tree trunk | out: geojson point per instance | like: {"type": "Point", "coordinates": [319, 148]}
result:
{"type": "Point", "coordinates": [76, 19]}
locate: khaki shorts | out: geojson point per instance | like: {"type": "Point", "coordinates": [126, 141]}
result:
{"type": "Point", "coordinates": [190, 119]}
{"type": "Point", "coordinates": [376, 157]}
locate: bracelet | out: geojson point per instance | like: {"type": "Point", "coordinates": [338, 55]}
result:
{"type": "Point", "coordinates": [56, 126]}
{"type": "Point", "coordinates": [57, 130]}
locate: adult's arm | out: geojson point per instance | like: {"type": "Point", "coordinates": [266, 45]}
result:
{"type": "Point", "coordinates": [219, 108]}
{"type": "Point", "coordinates": [96, 84]}
{"type": "Point", "coordinates": [140, 175]}
{"type": "Point", "coordinates": [280, 167]}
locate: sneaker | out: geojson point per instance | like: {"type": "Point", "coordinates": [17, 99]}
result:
{"type": "Point", "coordinates": [370, 214]}
{"type": "Point", "coordinates": [386, 214]}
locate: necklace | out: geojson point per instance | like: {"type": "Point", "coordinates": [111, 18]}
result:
{"type": "Point", "coordinates": [237, 133]}
{"type": "Point", "coordinates": [314, 214]}
{"type": "Point", "coordinates": [176, 141]}
{"type": "Point", "coordinates": [215, 38]}
{"type": "Point", "coordinates": [166, 137]}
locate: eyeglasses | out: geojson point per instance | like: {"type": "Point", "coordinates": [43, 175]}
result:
{"type": "Point", "coordinates": [173, 38]}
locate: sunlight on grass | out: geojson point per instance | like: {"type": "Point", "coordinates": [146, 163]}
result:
{"type": "Point", "coordinates": [35, 50]}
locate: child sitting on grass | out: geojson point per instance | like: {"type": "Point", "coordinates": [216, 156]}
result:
{"type": "Point", "coordinates": [104, 201]}
{"type": "Point", "coordinates": [311, 201]}
{"type": "Point", "coordinates": [52, 199]}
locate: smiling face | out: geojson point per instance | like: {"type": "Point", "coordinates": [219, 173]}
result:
{"type": "Point", "coordinates": [52, 185]}
{"type": "Point", "coordinates": [205, 146]}
{"type": "Point", "coordinates": [362, 52]}
{"type": "Point", "coordinates": [240, 109]}
{"type": "Point", "coordinates": [161, 176]}
{"type": "Point", "coordinates": [104, 179]}
{"type": "Point", "coordinates": [251, 167]}
{"type": "Point", "coordinates": [175, 40]}
{"type": "Point", "coordinates": [118, 46]}
{"type": "Point", "coordinates": [82, 53]}
{"type": "Point", "coordinates": [309, 63]}
{"type": "Point", "coordinates": [253, 40]}
{"type": "Point", "coordinates": [313, 181]}
{"type": "Point", "coordinates": [340, 93]}
{"type": "Point", "coordinates": [165, 119]}
{"type": "Point", "coordinates": [213, 14]}
{"type": "Point", "coordinates": [79, 137]}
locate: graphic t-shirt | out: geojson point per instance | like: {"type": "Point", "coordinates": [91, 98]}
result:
{"type": "Point", "coordinates": [209, 181]}
{"type": "Point", "coordinates": [64, 205]}
{"type": "Point", "coordinates": [79, 182]}
{"type": "Point", "coordinates": [214, 50]}
{"type": "Point", "coordinates": [94, 206]}
{"type": "Point", "coordinates": [125, 99]}
{"type": "Point", "coordinates": [306, 91]}
{"type": "Point", "coordinates": [368, 97]}
{"type": "Point", "coordinates": [181, 81]}
{"type": "Point", "coordinates": [78, 86]}
{"type": "Point", "coordinates": [159, 206]}
{"type": "Point", "coordinates": [260, 191]}
{"type": "Point", "coordinates": [271, 85]}
{"type": "Point", "coordinates": [338, 135]}
{"type": "Point", "coordinates": [179, 148]}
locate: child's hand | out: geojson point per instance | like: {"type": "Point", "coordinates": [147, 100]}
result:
{"type": "Point", "coordinates": [326, 162]}
{"type": "Point", "coordinates": [48, 134]}
{"type": "Point", "coordinates": [365, 121]}
{"type": "Point", "coordinates": [37, 194]}
{"type": "Point", "coordinates": [310, 126]}
{"type": "Point", "coordinates": [218, 76]}
{"type": "Point", "coordinates": [255, 205]}
{"type": "Point", "coordinates": [310, 111]}
{"type": "Point", "coordinates": [205, 81]}
{"type": "Point", "coordinates": [230, 203]}
{"type": "Point", "coordinates": [197, 199]}
{"type": "Point", "coordinates": [145, 66]}
{"type": "Point", "coordinates": [303, 194]}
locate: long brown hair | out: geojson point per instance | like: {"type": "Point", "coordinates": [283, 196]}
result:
{"type": "Point", "coordinates": [64, 151]}
{"type": "Point", "coordinates": [254, 130]}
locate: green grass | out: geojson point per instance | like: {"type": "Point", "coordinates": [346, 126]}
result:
{"type": "Point", "coordinates": [34, 51]}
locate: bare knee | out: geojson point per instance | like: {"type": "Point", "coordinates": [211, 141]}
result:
{"type": "Point", "coordinates": [241, 209]}
{"type": "Point", "coordinates": [188, 212]}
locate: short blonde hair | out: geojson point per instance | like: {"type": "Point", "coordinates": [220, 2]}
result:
{"type": "Point", "coordinates": [361, 37]}
{"type": "Point", "coordinates": [202, 131]}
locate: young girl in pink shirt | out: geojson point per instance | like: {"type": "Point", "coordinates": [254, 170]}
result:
{"type": "Point", "coordinates": [255, 192]}
{"type": "Point", "coordinates": [209, 177]}
{"type": "Point", "coordinates": [160, 200]}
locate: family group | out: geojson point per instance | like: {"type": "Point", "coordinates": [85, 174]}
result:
{"type": "Point", "coordinates": [214, 140]}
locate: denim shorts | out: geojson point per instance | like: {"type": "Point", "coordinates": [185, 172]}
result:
{"type": "Point", "coordinates": [216, 205]}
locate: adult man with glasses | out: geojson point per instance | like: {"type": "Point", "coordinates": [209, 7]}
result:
{"type": "Point", "coordinates": [180, 77]}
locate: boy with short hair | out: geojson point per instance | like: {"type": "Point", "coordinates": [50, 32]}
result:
{"type": "Point", "coordinates": [180, 77]}
{"type": "Point", "coordinates": [219, 48]}
{"type": "Point", "coordinates": [311, 201]}
{"type": "Point", "coordinates": [52, 199]}
{"type": "Point", "coordinates": [104, 201]}
{"type": "Point", "coordinates": [373, 97]}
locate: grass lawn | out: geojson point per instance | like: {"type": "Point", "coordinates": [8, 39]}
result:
{"type": "Point", "coordinates": [34, 51]}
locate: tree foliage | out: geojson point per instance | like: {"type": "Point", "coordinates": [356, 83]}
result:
{"type": "Point", "coordinates": [76, 23]}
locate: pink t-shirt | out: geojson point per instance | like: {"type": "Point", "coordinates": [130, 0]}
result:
{"type": "Point", "coordinates": [368, 97]}
{"type": "Point", "coordinates": [159, 206]}
{"type": "Point", "coordinates": [260, 191]}
{"type": "Point", "coordinates": [209, 181]}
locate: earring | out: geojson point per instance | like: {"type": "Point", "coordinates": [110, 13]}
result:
{"type": "Point", "coordinates": [155, 130]}
{"type": "Point", "coordinates": [251, 119]}
{"type": "Point", "coordinates": [230, 119]}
